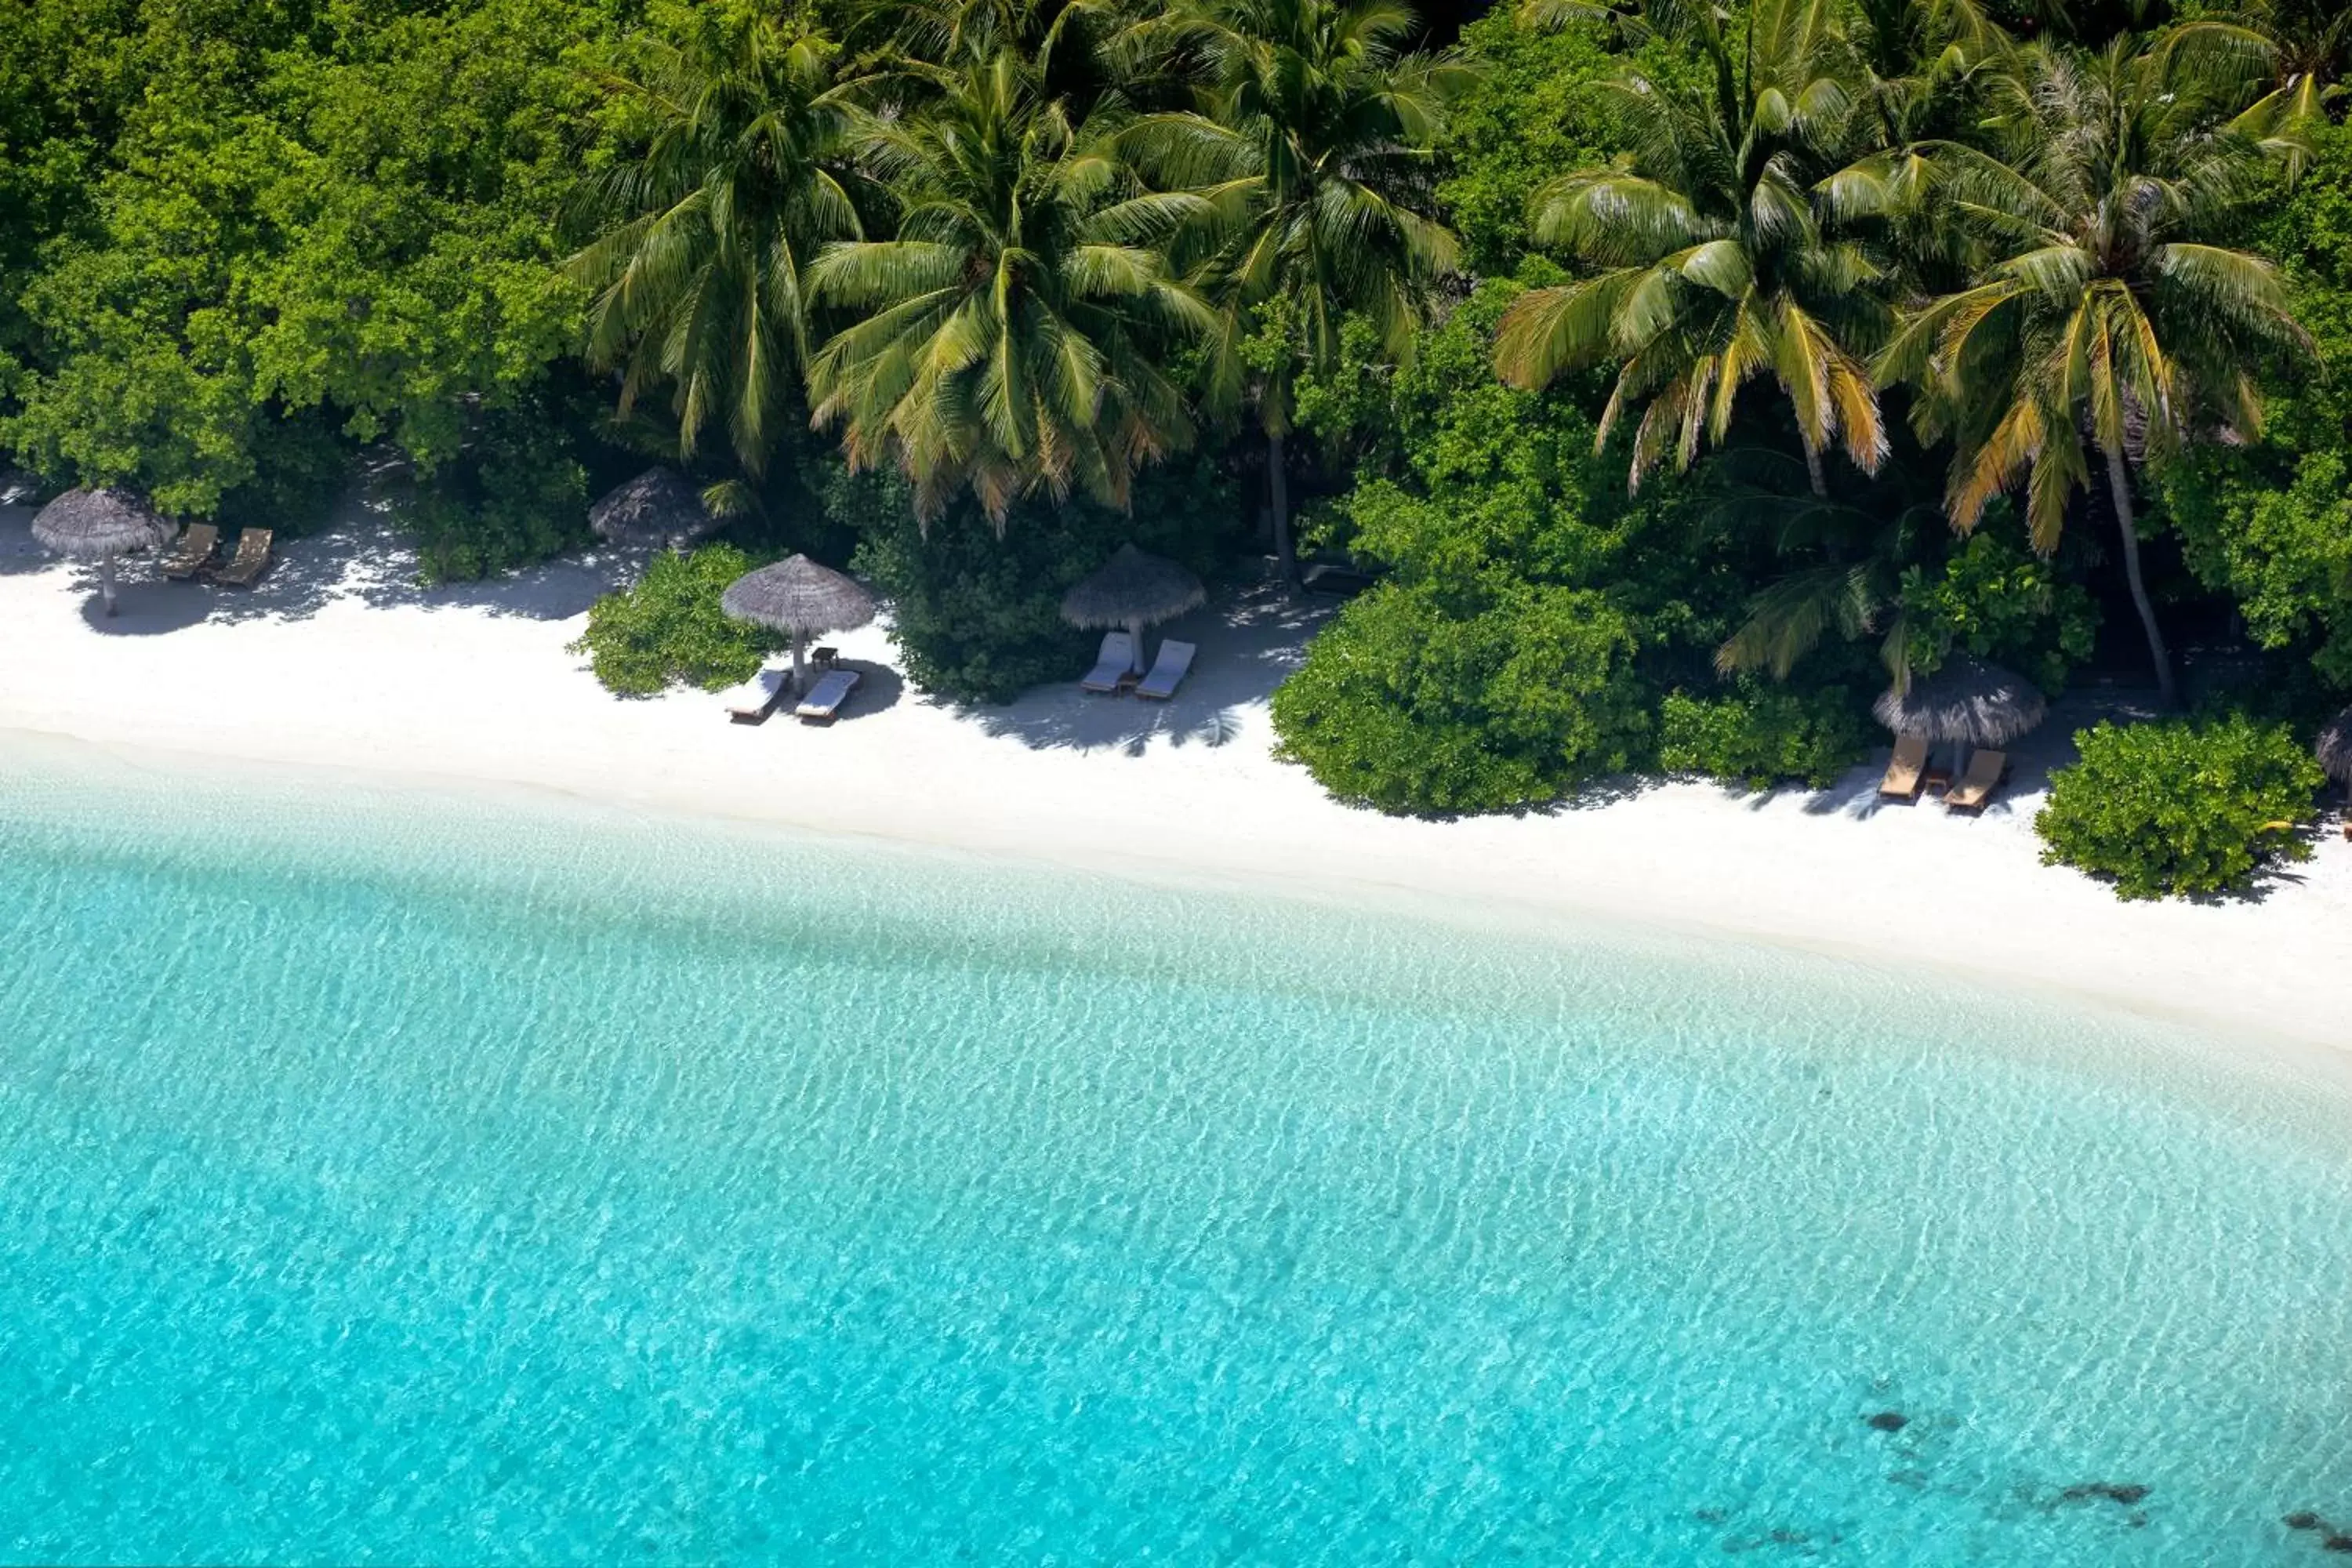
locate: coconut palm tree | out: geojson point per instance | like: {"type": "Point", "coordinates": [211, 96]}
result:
{"type": "Point", "coordinates": [2104, 321]}
{"type": "Point", "coordinates": [1061, 36]}
{"type": "Point", "coordinates": [2314, 39]}
{"type": "Point", "coordinates": [1714, 266]}
{"type": "Point", "coordinates": [1310, 142]}
{"type": "Point", "coordinates": [704, 238]}
{"type": "Point", "coordinates": [1011, 338]}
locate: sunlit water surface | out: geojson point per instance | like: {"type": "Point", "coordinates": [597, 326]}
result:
{"type": "Point", "coordinates": [393, 1179]}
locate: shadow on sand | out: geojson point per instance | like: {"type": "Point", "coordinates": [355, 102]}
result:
{"type": "Point", "coordinates": [879, 690]}
{"type": "Point", "coordinates": [2033, 759]}
{"type": "Point", "coordinates": [1248, 643]}
{"type": "Point", "coordinates": [360, 555]}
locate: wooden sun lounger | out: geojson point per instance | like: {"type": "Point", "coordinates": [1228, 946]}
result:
{"type": "Point", "coordinates": [1973, 788]}
{"type": "Point", "coordinates": [1166, 671]}
{"type": "Point", "coordinates": [1907, 770]}
{"type": "Point", "coordinates": [251, 559]}
{"type": "Point", "coordinates": [752, 703]}
{"type": "Point", "coordinates": [1117, 658]}
{"type": "Point", "coordinates": [195, 547]}
{"type": "Point", "coordinates": [823, 703]}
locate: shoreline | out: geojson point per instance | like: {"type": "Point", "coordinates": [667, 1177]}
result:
{"type": "Point", "coordinates": [2241, 1043]}
{"type": "Point", "coordinates": [339, 663]}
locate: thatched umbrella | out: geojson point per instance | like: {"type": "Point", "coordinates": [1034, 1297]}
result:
{"type": "Point", "coordinates": [2334, 748]}
{"type": "Point", "coordinates": [99, 525]}
{"type": "Point", "coordinates": [1967, 702]}
{"type": "Point", "coordinates": [1132, 590]}
{"type": "Point", "coordinates": [801, 599]}
{"type": "Point", "coordinates": [660, 506]}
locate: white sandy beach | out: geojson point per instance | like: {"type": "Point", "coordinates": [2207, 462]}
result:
{"type": "Point", "coordinates": [338, 660]}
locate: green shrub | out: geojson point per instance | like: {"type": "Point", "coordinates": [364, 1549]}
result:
{"type": "Point", "coordinates": [2182, 807]}
{"type": "Point", "coordinates": [1997, 600]}
{"type": "Point", "coordinates": [977, 616]}
{"type": "Point", "coordinates": [670, 630]}
{"type": "Point", "coordinates": [515, 498]}
{"type": "Point", "coordinates": [1411, 701]}
{"type": "Point", "coordinates": [1759, 735]}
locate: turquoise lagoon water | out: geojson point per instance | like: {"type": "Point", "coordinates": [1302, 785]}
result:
{"type": "Point", "coordinates": [397, 1179]}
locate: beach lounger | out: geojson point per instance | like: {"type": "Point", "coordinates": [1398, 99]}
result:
{"type": "Point", "coordinates": [251, 559]}
{"type": "Point", "coordinates": [1905, 772]}
{"type": "Point", "coordinates": [195, 547]}
{"type": "Point", "coordinates": [823, 703]}
{"type": "Point", "coordinates": [1118, 658]}
{"type": "Point", "coordinates": [752, 703]}
{"type": "Point", "coordinates": [1166, 671]}
{"type": "Point", "coordinates": [1973, 788]}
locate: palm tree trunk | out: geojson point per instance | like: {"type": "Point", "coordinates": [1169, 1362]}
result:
{"type": "Point", "coordinates": [2119, 481]}
{"type": "Point", "coordinates": [1279, 481]}
{"type": "Point", "coordinates": [1813, 469]}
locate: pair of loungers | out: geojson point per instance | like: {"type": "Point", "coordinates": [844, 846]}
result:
{"type": "Point", "coordinates": [752, 703]}
{"type": "Point", "coordinates": [1907, 774]}
{"type": "Point", "coordinates": [194, 554]}
{"type": "Point", "coordinates": [1114, 669]}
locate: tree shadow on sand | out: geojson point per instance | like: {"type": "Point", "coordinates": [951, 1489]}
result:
{"type": "Point", "coordinates": [2033, 758]}
{"type": "Point", "coordinates": [360, 555]}
{"type": "Point", "coordinates": [1248, 644]}
{"type": "Point", "coordinates": [20, 552]}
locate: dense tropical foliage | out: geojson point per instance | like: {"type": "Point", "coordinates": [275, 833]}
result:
{"type": "Point", "coordinates": [1685, 371]}
{"type": "Point", "coordinates": [2180, 807]}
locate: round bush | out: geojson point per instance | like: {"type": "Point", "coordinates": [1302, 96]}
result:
{"type": "Point", "coordinates": [1409, 700]}
{"type": "Point", "coordinates": [1759, 736]}
{"type": "Point", "coordinates": [669, 629]}
{"type": "Point", "coordinates": [2181, 807]}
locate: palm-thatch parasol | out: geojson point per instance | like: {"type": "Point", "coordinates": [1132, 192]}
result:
{"type": "Point", "coordinates": [99, 525]}
{"type": "Point", "coordinates": [801, 599]}
{"type": "Point", "coordinates": [2334, 748]}
{"type": "Point", "coordinates": [1967, 702]}
{"type": "Point", "coordinates": [1133, 589]}
{"type": "Point", "coordinates": [660, 506]}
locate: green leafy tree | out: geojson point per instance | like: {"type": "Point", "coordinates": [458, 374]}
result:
{"type": "Point", "coordinates": [2179, 808]}
{"type": "Point", "coordinates": [1713, 266]}
{"type": "Point", "coordinates": [1012, 338]}
{"type": "Point", "coordinates": [1997, 600]}
{"type": "Point", "coordinates": [2107, 319]}
{"type": "Point", "coordinates": [706, 237]}
{"type": "Point", "coordinates": [2269, 522]}
{"type": "Point", "coordinates": [307, 232]}
{"type": "Point", "coordinates": [1510, 652]}
{"type": "Point", "coordinates": [1310, 147]}
{"type": "Point", "coordinates": [1540, 102]}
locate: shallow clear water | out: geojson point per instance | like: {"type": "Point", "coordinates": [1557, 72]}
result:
{"type": "Point", "coordinates": [407, 1180]}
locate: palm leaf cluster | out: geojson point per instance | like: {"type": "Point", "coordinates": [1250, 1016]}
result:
{"type": "Point", "coordinates": [699, 272]}
{"type": "Point", "coordinates": [1713, 267]}
{"type": "Point", "coordinates": [2022, 238]}
{"type": "Point", "coordinates": [1004, 340]}
{"type": "Point", "coordinates": [1016, 250]}
{"type": "Point", "coordinates": [2101, 322]}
